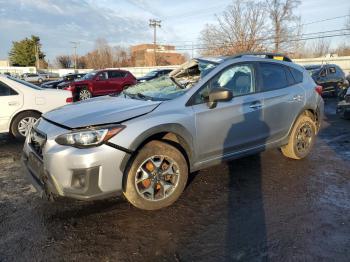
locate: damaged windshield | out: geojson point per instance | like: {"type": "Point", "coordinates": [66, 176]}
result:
{"type": "Point", "coordinates": [169, 87]}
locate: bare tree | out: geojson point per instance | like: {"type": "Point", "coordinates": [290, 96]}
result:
{"type": "Point", "coordinates": [343, 49]}
{"type": "Point", "coordinates": [122, 57]}
{"type": "Point", "coordinates": [64, 61]}
{"type": "Point", "coordinates": [284, 22]}
{"type": "Point", "coordinates": [240, 28]}
{"type": "Point", "coordinates": [320, 47]}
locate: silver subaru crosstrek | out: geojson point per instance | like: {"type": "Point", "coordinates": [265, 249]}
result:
{"type": "Point", "coordinates": [144, 142]}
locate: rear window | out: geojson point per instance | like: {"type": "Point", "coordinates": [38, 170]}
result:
{"type": "Point", "coordinates": [297, 75]}
{"type": "Point", "coordinates": [115, 74]}
{"type": "Point", "coordinates": [332, 70]}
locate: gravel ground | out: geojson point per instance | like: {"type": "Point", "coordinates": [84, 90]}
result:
{"type": "Point", "coordinates": [260, 208]}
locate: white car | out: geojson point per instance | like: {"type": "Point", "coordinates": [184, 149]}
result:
{"type": "Point", "coordinates": [22, 103]}
{"type": "Point", "coordinates": [34, 77]}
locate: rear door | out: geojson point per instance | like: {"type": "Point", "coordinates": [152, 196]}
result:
{"type": "Point", "coordinates": [116, 79]}
{"type": "Point", "coordinates": [283, 97]}
{"type": "Point", "coordinates": [10, 102]}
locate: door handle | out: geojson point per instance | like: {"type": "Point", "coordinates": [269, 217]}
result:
{"type": "Point", "coordinates": [13, 103]}
{"type": "Point", "coordinates": [256, 105]}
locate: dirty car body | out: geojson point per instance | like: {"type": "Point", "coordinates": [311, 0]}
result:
{"type": "Point", "coordinates": [209, 109]}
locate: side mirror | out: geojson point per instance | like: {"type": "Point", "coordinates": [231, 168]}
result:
{"type": "Point", "coordinates": [219, 95]}
{"type": "Point", "coordinates": [323, 73]}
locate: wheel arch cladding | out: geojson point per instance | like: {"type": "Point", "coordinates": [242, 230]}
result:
{"type": "Point", "coordinates": [173, 134]}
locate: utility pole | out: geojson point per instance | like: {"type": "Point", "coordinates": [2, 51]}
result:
{"type": "Point", "coordinates": [75, 46]}
{"type": "Point", "coordinates": [36, 50]}
{"type": "Point", "coordinates": [155, 23]}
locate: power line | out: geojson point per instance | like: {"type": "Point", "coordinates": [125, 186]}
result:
{"type": "Point", "coordinates": [327, 19]}
{"type": "Point", "coordinates": [222, 45]}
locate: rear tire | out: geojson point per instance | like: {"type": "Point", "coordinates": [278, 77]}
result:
{"type": "Point", "coordinates": [84, 94]}
{"type": "Point", "coordinates": [301, 139]}
{"type": "Point", "coordinates": [22, 124]}
{"type": "Point", "coordinates": [156, 177]}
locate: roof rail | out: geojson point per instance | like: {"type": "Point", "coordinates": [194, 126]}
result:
{"type": "Point", "coordinates": [276, 56]}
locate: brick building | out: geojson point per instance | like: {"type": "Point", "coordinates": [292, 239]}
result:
{"type": "Point", "coordinates": [143, 55]}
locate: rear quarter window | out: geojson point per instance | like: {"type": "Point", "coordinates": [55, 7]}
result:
{"type": "Point", "coordinates": [5, 90]}
{"type": "Point", "coordinates": [274, 76]}
{"type": "Point", "coordinates": [297, 75]}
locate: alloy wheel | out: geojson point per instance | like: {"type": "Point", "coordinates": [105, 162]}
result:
{"type": "Point", "coordinates": [304, 138]}
{"type": "Point", "coordinates": [25, 125]}
{"type": "Point", "coordinates": [157, 178]}
{"type": "Point", "coordinates": [84, 94]}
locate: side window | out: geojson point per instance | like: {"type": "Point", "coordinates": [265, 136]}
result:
{"type": "Point", "coordinates": [103, 76]}
{"type": "Point", "coordinates": [297, 75]}
{"type": "Point", "coordinates": [238, 78]}
{"type": "Point", "coordinates": [273, 76]}
{"type": "Point", "coordinates": [331, 70]}
{"type": "Point", "coordinates": [115, 74]}
{"type": "Point", "coordinates": [5, 90]}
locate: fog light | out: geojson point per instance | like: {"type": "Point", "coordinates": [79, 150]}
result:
{"type": "Point", "coordinates": [79, 180]}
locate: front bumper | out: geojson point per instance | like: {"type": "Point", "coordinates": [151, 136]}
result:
{"type": "Point", "coordinates": [84, 174]}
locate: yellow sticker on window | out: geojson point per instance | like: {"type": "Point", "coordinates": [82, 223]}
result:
{"type": "Point", "coordinates": [278, 58]}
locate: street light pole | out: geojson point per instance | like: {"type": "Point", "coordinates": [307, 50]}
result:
{"type": "Point", "coordinates": [75, 46]}
{"type": "Point", "coordinates": [155, 23]}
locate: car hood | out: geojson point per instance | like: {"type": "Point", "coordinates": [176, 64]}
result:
{"type": "Point", "coordinates": [100, 111]}
{"type": "Point", "coordinates": [145, 78]}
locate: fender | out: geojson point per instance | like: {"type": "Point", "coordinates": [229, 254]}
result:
{"type": "Point", "coordinates": [177, 129]}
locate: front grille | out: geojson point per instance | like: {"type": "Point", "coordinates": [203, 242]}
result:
{"type": "Point", "coordinates": [37, 141]}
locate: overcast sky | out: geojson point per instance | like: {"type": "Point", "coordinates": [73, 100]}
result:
{"type": "Point", "coordinates": [125, 22]}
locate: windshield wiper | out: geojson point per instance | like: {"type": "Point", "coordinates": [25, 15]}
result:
{"type": "Point", "coordinates": [176, 83]}
{"type": "Point", "coordinates": [138, 95]}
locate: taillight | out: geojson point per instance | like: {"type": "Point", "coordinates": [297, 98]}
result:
{"type": "Point", "coordinates": [68, 88]}
{"type": "Point", "coordinates": [318, 89]}
{"type": "Point", "coordinates": [69, 100]}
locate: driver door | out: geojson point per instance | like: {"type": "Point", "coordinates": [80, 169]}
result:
{"type": "Point", "coordinates": [232, 126]}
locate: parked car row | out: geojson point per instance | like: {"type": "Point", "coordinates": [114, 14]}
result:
{"type": "Point", "coordinates": [144, 141]}
{"type": "Point", "coordinates": [63, 82]}
{"type": "Point", "coordinates": [331, 77]}
{"type": "Point", "coordinates": [22, 103]}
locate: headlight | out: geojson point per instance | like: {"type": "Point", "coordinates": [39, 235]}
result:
{"type": "Point", "coordinates": [88, 137]}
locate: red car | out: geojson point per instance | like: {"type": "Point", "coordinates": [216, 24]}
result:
{"type": "Point", "coordinates": [101, 82]}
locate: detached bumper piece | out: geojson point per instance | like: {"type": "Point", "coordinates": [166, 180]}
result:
{"type": "Point", "coordinates": [38, 177]}
{"type": "Point", "coordinates": [343, 109]}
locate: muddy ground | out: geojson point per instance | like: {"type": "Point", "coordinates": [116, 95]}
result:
{"type": "Point", "coordinates": [260, 208]}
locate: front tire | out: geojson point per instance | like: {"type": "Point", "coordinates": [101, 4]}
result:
{"type": "Point", "coordinates": [156, 177]}
{"type": "Point", "coordinates": [301, 139]}
{"type": "Point", "coordinates": [84, 94]}
{"type": "Point", "coordinates": [22, 124]}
